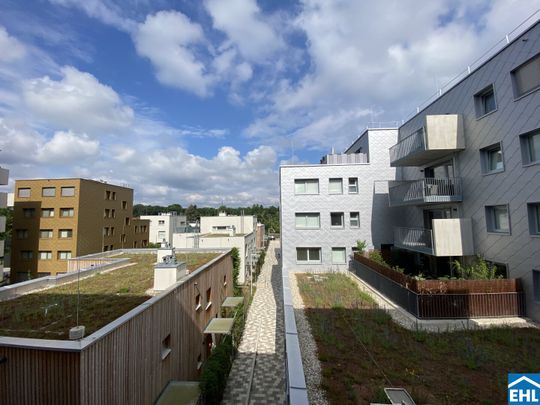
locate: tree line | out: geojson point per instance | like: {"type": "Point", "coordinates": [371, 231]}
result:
{"type": "Point", "coordinates": [269, 216]}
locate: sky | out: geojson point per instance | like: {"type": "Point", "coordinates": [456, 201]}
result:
{"type": "Point", "coordinates": [199, 102]}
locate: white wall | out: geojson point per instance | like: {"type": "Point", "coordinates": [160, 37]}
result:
{"type": "Point", "coordinates": [170, 225]}
{"type": "Point", "coordinates": [243, 224]}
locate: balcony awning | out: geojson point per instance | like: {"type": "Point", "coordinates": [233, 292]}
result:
{"type": "Point", "coordinates": [231, 302]}
{"type": "Point", "coordinates": [221, 326]}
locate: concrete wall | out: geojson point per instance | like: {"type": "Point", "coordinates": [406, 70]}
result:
{"type": "Point", "coordinates": [243, 224]}
{"type": "Point", "coordinates": [371, 202]}
{"type": "Point", "coordinates": [517, 185]}
{"type": "Point", "coordinates": [171, 224]}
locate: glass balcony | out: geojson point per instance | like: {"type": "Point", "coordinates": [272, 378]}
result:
{"type": "Point", "coordinates": [425, 191]}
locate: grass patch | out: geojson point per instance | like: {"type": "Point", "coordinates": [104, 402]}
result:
{"type": "Point", "coordinates": [104, 297]}
{"type": "Point", "coordinates": [444, 368]}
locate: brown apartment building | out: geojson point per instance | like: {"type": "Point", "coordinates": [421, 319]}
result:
{"type": "Point", "coordinates": [56, 219]}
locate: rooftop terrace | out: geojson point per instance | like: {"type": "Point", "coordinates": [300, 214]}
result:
{"type": "Point", "coordinates": [50, 313]}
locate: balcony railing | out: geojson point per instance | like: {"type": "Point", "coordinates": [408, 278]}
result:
{"type": "Point", "coordinates": [425, 191]}
{"type": "Point", "coordinates": [407, 146]}
{"type": "Point", "coordinates": [416, 239]}
{"type": "Point", "coordinates": [344, 158]}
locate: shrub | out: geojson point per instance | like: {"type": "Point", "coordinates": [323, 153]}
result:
{"type": "Point", "coordinates": [361, 246]}
{"type": "Point", "coordinates": [235, 255]}
{"type": "Point", "coordinates": [215, 372]}
{"type": "Point", "coordinates": [478, 270]}
{"type": "Point", "coordinates": [376, 256]}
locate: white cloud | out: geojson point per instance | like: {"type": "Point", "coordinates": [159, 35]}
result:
{"type": "Point", "coordinates": [67, 147]}
{"type": "Point", "coordinates": [11, 49]}
{"type": "Point", "coordinates": [77, 101]}
{"type": "Point", "coordinates": [169, 39]}
{"type": "Point", "coordinates": [245, 26]}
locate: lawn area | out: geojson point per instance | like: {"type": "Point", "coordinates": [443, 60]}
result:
{"type": "Point", "coordinates": [358, 344]}
{"type": "Point", "coordinates": [49, 314]}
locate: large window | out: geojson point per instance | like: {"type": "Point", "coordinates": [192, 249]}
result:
{"type": "Point", "coordinates": [23, 192]}
{"type": "Point", "coordinates": [66, 212]}
{"type": "Point", "coordinates": [48, 191]}
{"type": "Point", "coordinates": [355, 220]}
{"type": "Point", "coordinates": [485, 101]}
{"type": "Point", "coordinates": [339, 255]}
{"type": "Point", "coordinates": [67, 191]}
{"type": "Point", "coordinates": [534, 218]}
{"type": "Point", "coordinates": [64, 254]}
{"type": "Point", "coordinates": [498, 219]}
{"type": "Point", "coordinates": [45, 233]}
{"type": "Point", "coordinates": [161, 235]}
{"type": "Point", "coordinates": [65, 233]}
{"type": "Point", "coordinates": [311, 220]}
{"type": "Point", "coordinates": [335, 186]}
{"type": "Point", "coordinates": [353, 185]}
{"type": "Point", "coordinates": [491, 158]}
{"type": "Point", "coordinates": [336, 219]}
{"type": "Point", "coordinates": [526, 77]}
{"type": "Point", "coordinates": [47, 212]}
{"type": "Point", "coordinates": [45, 255]}
{"type": "Point", "coordinates": [308, 255]}
{"type": "Point", "coordinates": [530, 147]}
{"type": "Point", "coordinates": [306, 186]}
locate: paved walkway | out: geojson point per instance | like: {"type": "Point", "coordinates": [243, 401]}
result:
{"type": "Point", "coordinates": [258, 372]}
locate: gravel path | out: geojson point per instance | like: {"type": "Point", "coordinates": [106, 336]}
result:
{"type": "Point", "coordinates": [308, 348]}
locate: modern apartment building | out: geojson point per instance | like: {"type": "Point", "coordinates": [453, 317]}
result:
{"type": "Point", "coordinates": [326, 208]}
{"type": "Point", "coordinates": [163, 226]}
{"type": "Point", "coordinates": [56, 219]}
{"type": "Point", "coordinates": [469, 170]}
{"type": "Point", "coordinates": [4, 177]}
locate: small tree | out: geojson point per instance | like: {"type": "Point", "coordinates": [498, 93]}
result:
{"type": "Point", "coordinates": [361, 246]}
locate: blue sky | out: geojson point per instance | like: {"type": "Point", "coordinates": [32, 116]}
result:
{"type": "Point", "coordinates": [200, 101]}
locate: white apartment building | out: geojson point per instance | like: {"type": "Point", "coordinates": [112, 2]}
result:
{"type": "Point", "coordinates": [4, 177]}
{"type": "Point", "coordinates": [224, 231]}
{"type": "Point", "coordinates": [163, 226]}
{"type": "Point", "coordinates": [326, 208]}
{"type": "Point", "coordinates": [469, 170]}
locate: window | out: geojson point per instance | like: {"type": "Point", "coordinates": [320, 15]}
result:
{"type": "Point", "coordinates": [27, 255]}
{"type": "Point", "coordinates": [22, 233]}
{"type": "Point", "coordinates": [113, 213]}
{"type": "Point", "coordinates": [127, 221]}
{"type": "Point", "coordinates": [306, 186]}
{"type": "Point", "coordinates": [208, 298]}
{"type": "Point", "coordinates": [497, 219]}
{"type": "Point", "coordinates": [484, 101]}
{"type": "Point", "coordinates": [536, 285]}
{"type": "Point", "coordinates": [308, 255]}
{"type": "Point", "coordinates": [64, 255]}
{"type": "Point", "coordinates": [355, 220]}
{"type": "Point", "coordinates": [198, 303]}
{"type": "Point", "coordinates": [491, 158]}
{"type": "Point", "coordinates": [66, 212]}
{"type": "Point", "coordinates": [29, 212]}
{"type": "Point", "coordinates": [112, 231]}
{"type": "Point", "coordinates": [48, 191]}
{"type": "Point", "coordinates": [67, 191]}
{"type": "Point", "coordinates": [336, 219]}
{"type": "Point", "coordinates": [45, 255]}
{"type": "Point", "coordinates": [353, 185]}
{"type": "Point", "coordinates": [534, 218]}
{"type": "Point", "coordinates": [106, 231]}
{"type": "Point", "coordinates": [161, 222]}
{"type": "Point", "coordinates": [65, 233]}
{"type": "Point", "coordinates": [161, 235]}
{"type": "Point", "coordinates": [114, 195]}
{"type": "Point", "coordinates": [124, 205]}
{"type": "Point", "coordinates": [225, 280]}
{"type": "Point", "coordinates": [166, 347]}
{"type": "Point", "coordinates": [339, 255]}
{"type": "Point", "coordinates": [107, 195]}
{"type": "Point", "coordinates": [526, 77]}
{"type": "Point", "coordinates": [199, 362]}
{"type": "Point", "coordinates": [107, 213]}
{"type": "Point", "coordinates": [45, 233]}
{"type": "Point", "coordinates": [23, 192]}
{"type": "Point", "coordinates": [530, 147]}
{"type": "Point", "coordinates": [47, 212]}
{"type": "Point", "coordinates": [335, 186]}
{"type": "Point", "coordinates": [311, 220]}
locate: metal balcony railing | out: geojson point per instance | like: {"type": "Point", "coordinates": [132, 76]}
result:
{"type": "Point", "coordinates": [411, 144]}
{"type": "Point", "coordinates": [423, 191]}
{"type": "Point", "coordinates": [344, 158]}
{"type": "Point", "coordinates": [417, 239]}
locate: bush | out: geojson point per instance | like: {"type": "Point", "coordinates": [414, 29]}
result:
{"type": "Point", "coordinates": [361, 246]}
{"type": "Point", "coordinates": [376, 256]}
{"type": "Point", "coordinates": [235, 255]}
{"type": "Point", "coordinates": [478, 270]}
{"type": "Point", "coordinates": [215, 372]}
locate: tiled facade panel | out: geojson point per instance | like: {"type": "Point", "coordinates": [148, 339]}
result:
{"type": "Point", "coordinates": [371, 202]}
{"type": "Point", "coordinates": [516, 185]}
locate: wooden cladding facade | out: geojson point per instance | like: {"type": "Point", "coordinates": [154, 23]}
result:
{"type": "Point", "coordinates": [128, 361]}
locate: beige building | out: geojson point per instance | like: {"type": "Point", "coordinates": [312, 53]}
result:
{"type": "Point", "coordinates": [56, 219]}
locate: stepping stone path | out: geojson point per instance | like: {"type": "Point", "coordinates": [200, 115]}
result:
{"type": "Point", "coordinates": [258, 372]}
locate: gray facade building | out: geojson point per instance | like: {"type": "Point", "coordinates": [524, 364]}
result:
{"type": "Point", "coordinates": [326, 208]}
{"type": "Point", "coordinates": [468, 167]}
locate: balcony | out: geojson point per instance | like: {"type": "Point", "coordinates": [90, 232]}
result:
{"type": "Point", "coordinates": [448, 237]}
{"type": "Point", "coordinates": [3, 200]}
{"type": "Point", "coordinates": [344, 158]}
{"type": "Point", "coordinates": [440, 136]}
{"type": "Point", "coordinates": [425, 191]}
{"type": "Point", "coordinates": [4, 176]}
